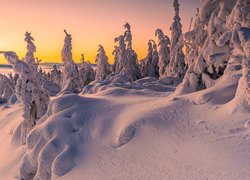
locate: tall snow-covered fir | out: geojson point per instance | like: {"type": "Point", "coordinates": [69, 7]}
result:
{"type": "Point", "coordinates": [149, 65]}
{"type": "Point", "coordinates": [70, 69]}
{"type": "Point", "coordinates": [164, 52]}
{"type": "Point", "coordinates": [177, 64]}
{"type": "Point", "coordinates": [31, 49]}
{"type": "Point", "coordinates": [126, 58]}
{"type": "Point", "coordinates": [103, 67]}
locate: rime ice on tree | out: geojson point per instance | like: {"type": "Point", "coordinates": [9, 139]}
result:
{"type": "Point", "coordinates": [70, 70]}
{"type": "Point", "coordinates": [33, 99]}
{"type": "Point", "coordinates": [206, 59]}
{"type": "Point", "coordinates": [86, 72]}
{"type": "Point", "coordinates": [149, 65]}
{"type": "Point", "coordinates": [29, 57]}
{"type": "Point", "coordinates": [126, 58]}
{"type": "Point", "coordinates": [119, 53]}
{"type": "Point", "coordinates": [164, 52]}
{"type": "Point", "coordinates": [176, 27]}
{"type": "Point", "coordinates": [103, 67]}
{"type": "Point", "coordinates": [7, 88]}
{"type": "Point", "coordinates": [176, 65]}
{"type": "Point", "coordinates": [56, 75]}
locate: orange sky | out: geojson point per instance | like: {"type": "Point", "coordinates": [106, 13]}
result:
{"type": "Point", "coordinates": [90, 22]}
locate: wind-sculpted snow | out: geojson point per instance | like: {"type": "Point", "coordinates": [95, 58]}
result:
{"type": "Point", "coordinates": [72, 121]}
{"type": "Point", "coordinates": [123, 84]}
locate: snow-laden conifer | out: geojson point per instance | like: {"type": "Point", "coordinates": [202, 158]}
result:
{"type": "Point", "coordinates": [86, 72]}
{"type": "Point", "coordinates": [70, 69]}
{"type": "Point", "coordinates": [103, 67]}
{"type": "Point", "coordinates": [164, 52]}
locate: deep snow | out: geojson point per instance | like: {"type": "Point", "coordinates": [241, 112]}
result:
{"type": "Point", "coordinates": [121, 133]}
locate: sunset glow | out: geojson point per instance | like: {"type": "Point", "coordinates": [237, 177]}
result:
{"type": "Point", "coordinates": [90, 23]}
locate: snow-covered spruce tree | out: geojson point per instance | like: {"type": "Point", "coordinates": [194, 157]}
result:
{"type": "Point", "coordinates": [86, 72]}
{"type": "Point", "coordinates": [119, 53]}
{"type": "Point", "coordinates": [164, 53]}
{"type": "Point", "coordinates": [103, 67]}
{"type": "Point", "coordinates": [115, 66]}
{"type": "Point", "coordinates": [142, 67]}
{"type": "Point", "coordinates": [33, 98]}
{"type": "Point", "coordinates": [127, 63]}
{"type": "Point", "coordinates": [70, 80]}
{"type": "Point", "coordinates": [155, 61]}
{"type": "Point", "coordinates": [56, 75]}
{"type": "Point", "coordinates": [149, 65]}
{"type": "Point", "coordinates": [177, 64]}
{"type": "Point", "coordinates": [7, 88]}
{"type": "Point", "coordinates": [206, 60]}
{"type": "Point", "coordinates": [41, 76]}
{"type": "Point", "coordinates": [29, 57]}
{"type": "Point", "coordinates": [176, 27]}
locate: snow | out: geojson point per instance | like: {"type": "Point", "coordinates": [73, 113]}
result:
{"type": "Point", "coordinates": [164, 136]}
{"type": "Point", "coordinates": [191, 123]}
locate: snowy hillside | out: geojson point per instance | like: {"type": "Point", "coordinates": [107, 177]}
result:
{"type": "Point", "coordinates": [131, 134]}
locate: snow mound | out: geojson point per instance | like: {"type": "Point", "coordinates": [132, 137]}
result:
{"type": "Point", "coordinates": [121, 82]}
{"type": "Point", "coordinates": [72, 121]}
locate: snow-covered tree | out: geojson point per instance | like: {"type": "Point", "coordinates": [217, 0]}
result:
{"type": "Point", "coordinates": [237, 35]}
{"type": "Point", "coordinates": [56, 75]}
{"type": "Point", "coordinates": [70, 70]}
{"type": "Point", "coordinates": [126, 57]}
{"type": "Point", "coordinates": [177, 63]}
{"type": "Point", "coordinates": [29, 57]}
{"type": "Point", "coordinates": [176, 27]}
{"type": "Point", "coordinates": [103, 67]}
{"type": "Point", "coordinates": [86, 72]}
{"type": "Point", "coordinates": [33, 98]}
{"type": "Point", "coordinates": [115, 66]}
{"type": "Point", "coordinates": [119, 53]}
{"type": "Point", "coordinates": [41, 76]}
{"type": "Point", "coordinates": [142, 67]}
{"type": "Point", "coordinates": [164, 52]}
{"type": "Point", "coordinates": [155, 61]}
{"type": "Point", "coordinates": [149, 65]}
{"type": "Point", "coordinates": [7, 87]}
{"type": "Point", "coordinates": [205, 57]}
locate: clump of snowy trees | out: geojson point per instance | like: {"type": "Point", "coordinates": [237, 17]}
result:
{"type": "Point", "coordinates": [215, 42]}
{"type": "Point", "coordinates": [86, 72]}
{"type": "Point", "coordinates": [33, 97]}
{"type": "Point", "coordinates": [126, 61]}
{"type": "Point", "coordinates": [56, 75]}
{"type": "Point", "coordinates": [149, 66]}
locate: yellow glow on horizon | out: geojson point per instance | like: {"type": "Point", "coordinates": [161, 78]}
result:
{"type": "Point", "coordinates": [89, 22]}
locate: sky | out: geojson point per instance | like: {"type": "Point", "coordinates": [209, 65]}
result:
{"type": "Point", "coordinates": [90, 22]}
